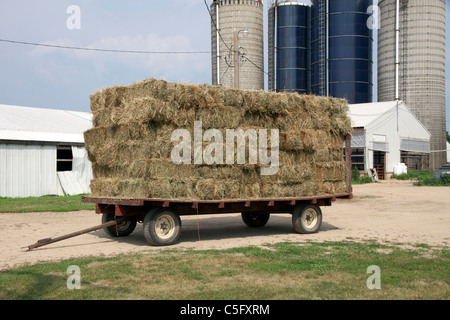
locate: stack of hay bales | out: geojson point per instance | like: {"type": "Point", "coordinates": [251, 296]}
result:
{"type": "Point", "coordinates": [130, 143]}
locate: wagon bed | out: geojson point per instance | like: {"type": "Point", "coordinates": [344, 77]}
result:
{"type": "Point", "coordinates": [162, 223]}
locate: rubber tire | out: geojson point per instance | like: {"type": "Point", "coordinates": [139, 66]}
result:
{"type": "Point", "coordinates": [123, 229]}
{"type": "Point", "coordinates": [304, 212]}
{"type": "Point", "coordinates": [255, 219]}
{"type": "Point", "coordinates": [157, 216]}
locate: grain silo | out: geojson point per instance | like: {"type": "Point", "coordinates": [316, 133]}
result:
{"type": "Point", "coordinates": [289, 47]}
{"type": "Point", "coordinates": [342, 50]}
{"type": "Point", "coordinates": [237, 42]}
{"type": "Point", "coordinates": [411, 64]}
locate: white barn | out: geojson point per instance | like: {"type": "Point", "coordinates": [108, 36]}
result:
{"type": "Point", "coordinates": [385, 134]}
{"type": "Point", "coordinates": [42, 152]}
{"type": "Point", "coordinates": [448, 152]}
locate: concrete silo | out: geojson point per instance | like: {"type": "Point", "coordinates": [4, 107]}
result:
{"type": "Point", "coordinates": [411, 64]}
{"type": "Point", "coordinates": [289, 47]}
{"type": "Point", "coordinates": [341, 55]}
{"type": "Point", "coordinates": [237, 43]}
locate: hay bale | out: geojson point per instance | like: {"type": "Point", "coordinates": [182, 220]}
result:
{"type": "Point", "coordinates": [130, 144]}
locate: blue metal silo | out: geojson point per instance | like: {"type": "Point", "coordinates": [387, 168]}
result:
{"type": "Point", "coordinates": [342, 50]}
{"type": "Point", "coordinates": [289, 47]}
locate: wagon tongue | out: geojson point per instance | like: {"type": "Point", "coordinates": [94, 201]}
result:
{"type": "Point", "coordinates": [44, 241]}
{"type": "Point", "coordinates": [47, 241]}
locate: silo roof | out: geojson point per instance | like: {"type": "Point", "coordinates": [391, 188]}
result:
{"type": "Point", "coordinates": [19, 123]}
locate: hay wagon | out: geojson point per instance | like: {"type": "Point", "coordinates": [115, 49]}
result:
{"type": "Point", "coordinates": [161, 217]}
{"type": "Point", "coordinates": [140, 174]}
{"type": "Point", "coordinates": [162, 223]}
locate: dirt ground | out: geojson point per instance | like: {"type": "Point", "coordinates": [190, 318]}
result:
{"type": "Point", "coordinates": [391, 212]}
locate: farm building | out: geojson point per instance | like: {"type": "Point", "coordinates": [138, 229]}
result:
{"type": "Point", "coordinates": [385, 134]}
{"type": "Point", "coordinates": [448, 152]}
{"type": "Point", "coordinates": [42, 152]}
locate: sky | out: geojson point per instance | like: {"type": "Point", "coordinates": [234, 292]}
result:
{"type": "Point", "coordinates": [54, 78]}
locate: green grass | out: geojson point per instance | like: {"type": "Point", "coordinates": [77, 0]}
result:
{"type": "Point", "coordinates": [44, 204]}
{"type": "Point", "coordinates": [413, 175]}
{"type": "Point", "coordinates": [424, 178]}
{"type": "Point", "coordinates": [285, 271]}
{"type": "Point", "coordinates": [363, 180]}
{"type": "Point", "coordinates": [357, 178]}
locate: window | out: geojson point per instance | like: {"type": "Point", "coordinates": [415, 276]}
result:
{"type": "Point", "coordinates": [358, 158]}
{"type": "Point", "coordinates": [64, 158]}
{"type": "Point", "coordinates": [415, 160]}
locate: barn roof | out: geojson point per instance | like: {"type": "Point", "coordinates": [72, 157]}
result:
{"type": "Point", "coordinates": [27, 124]}
{"type": "Point", "coordinates": [363, 114]}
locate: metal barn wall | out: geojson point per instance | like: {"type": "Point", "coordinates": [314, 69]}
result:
{"type": "Point", "coordinates": [76, 181]}
{"type": "Point", "coordinates": [405, 128]}
{"type": "Point", "coordinates": [448, 152]}
{"type": "Point", "coordinates": [387, 132]}
{"type": "Point", "coordinates": [27, 170]}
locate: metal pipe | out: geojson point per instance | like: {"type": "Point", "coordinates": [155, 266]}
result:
{"type": "Point", "coordinates": [327, 9]}
{"type": "Point", "coordinates": [236, 60]}
{"type": "Point", "coordinates": [46, 241]}
{"type": "Point", "coordinates": [218, 43]}
{"type": "Point", "coordinates": [397, 56]}
{"type": "Point", "coordinates": [239, 67]}
{"type": "Point", "coordinates": [275, 48]}
{"type": "Point", "coordinates": [397, 49]}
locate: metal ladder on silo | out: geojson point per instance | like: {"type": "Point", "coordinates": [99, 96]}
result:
{"type": "Point", "coordinates": [322, 47]}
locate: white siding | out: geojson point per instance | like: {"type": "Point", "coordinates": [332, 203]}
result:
{"type": "Point", "coordinates": [448, 152]}
{"type": "Point", "coordinates": [82, 168]}
{"type": "Point", "coordinates": [27, 170]}
{"type": "Point", "coordinates": [76, 181]}
{"type": "Point", "coordinates": [385, 127]}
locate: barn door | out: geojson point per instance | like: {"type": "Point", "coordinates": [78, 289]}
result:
{"type": "Point", "coordinates": [379, 160]}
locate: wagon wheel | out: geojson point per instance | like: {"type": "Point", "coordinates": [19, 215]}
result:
{"type": "Point", "coordinates": [255, 219]}
{"type": "Point", "coordinates": [124, 227]}
{"type": "Point", "coordinates": [162, 227]}
{"type": "Point", "coordinates": [307, 218]}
